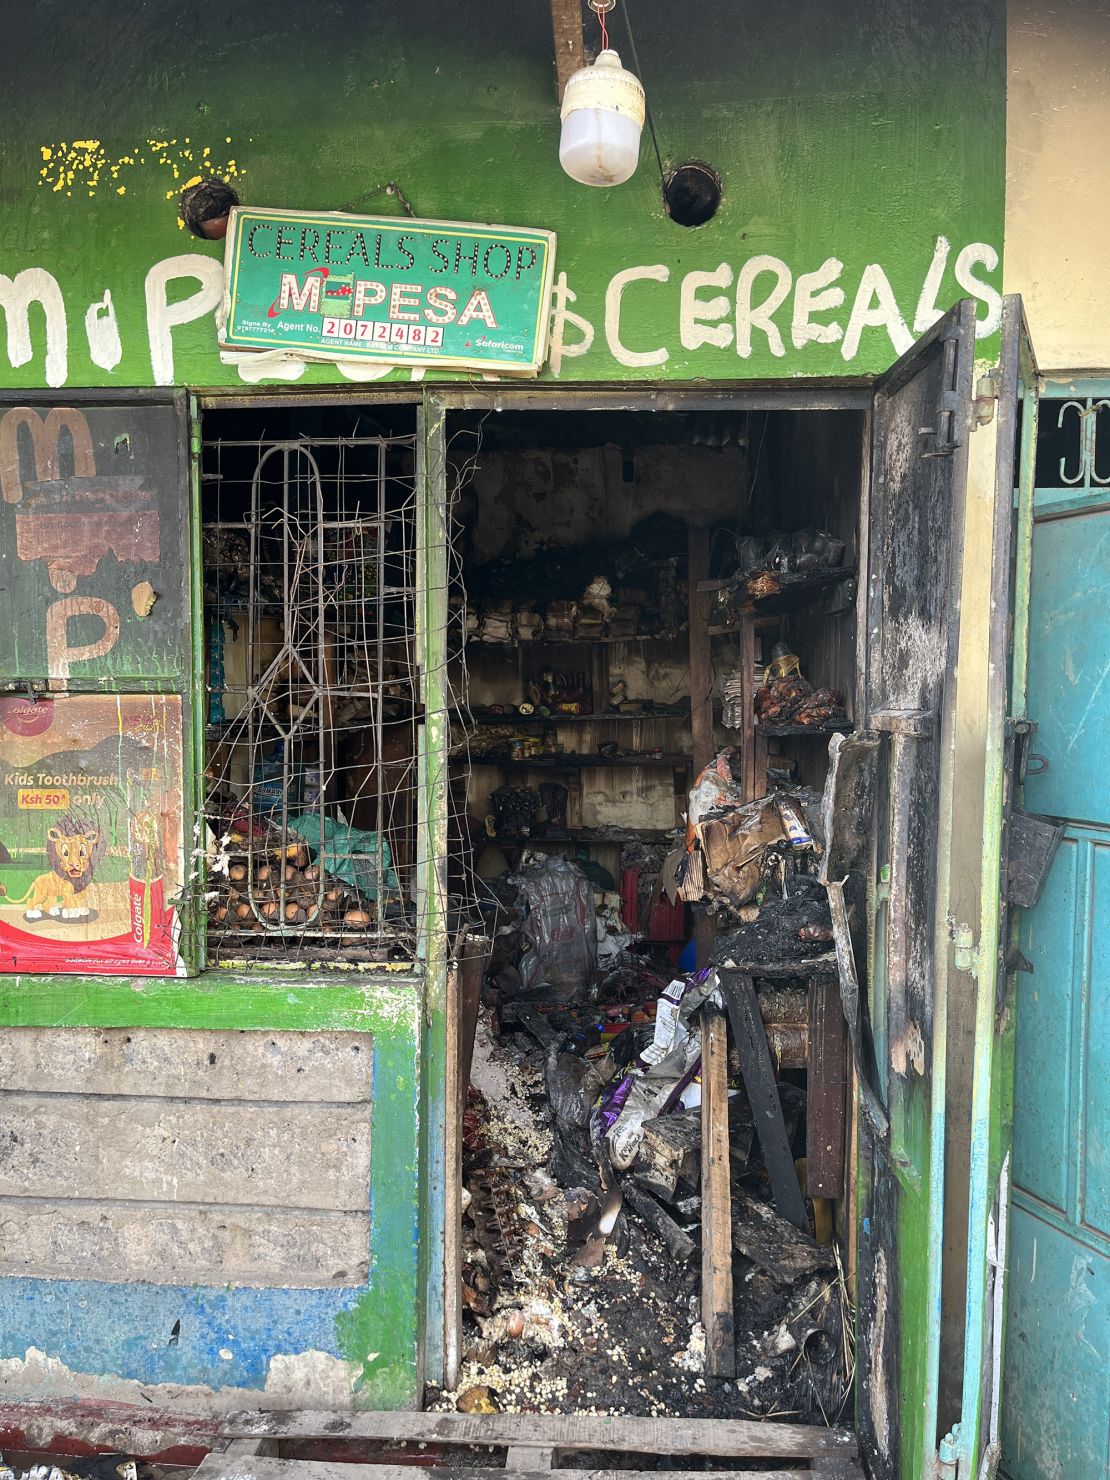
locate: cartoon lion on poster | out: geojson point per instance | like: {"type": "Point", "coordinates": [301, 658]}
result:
{"type": "Point", "coordinates": [74, 847]}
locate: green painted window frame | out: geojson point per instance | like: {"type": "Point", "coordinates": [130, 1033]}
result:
{"type": "Point", "coordinates": [273, 996]}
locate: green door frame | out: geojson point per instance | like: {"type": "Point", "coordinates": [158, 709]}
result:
{"type": "Point", "coordinates": [981, 954]}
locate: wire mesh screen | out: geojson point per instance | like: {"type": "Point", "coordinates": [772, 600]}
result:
{"type": "Point", "coordinates": [313, 697]}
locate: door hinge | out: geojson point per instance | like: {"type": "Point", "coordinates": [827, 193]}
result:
{"type": "Point", "coordinates": [948, 1455]}
{"type": "Point", "coordinates": [986, 398]}
{"type": "Point", "coordinates": [966, 953]}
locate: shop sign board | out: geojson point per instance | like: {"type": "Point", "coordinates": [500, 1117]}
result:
{"type": "Point", "coordinates": [328, 286]}
{"type": "Point", "coordinates": [91, 842]}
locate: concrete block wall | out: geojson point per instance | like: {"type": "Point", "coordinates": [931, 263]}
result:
{"type": "Point", "coordinates": [171, 1155]}
{"type": "Point", "coordinates": [206, 1218]}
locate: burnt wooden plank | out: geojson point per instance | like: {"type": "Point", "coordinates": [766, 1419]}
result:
{"type": "Point", "coordinates": [678, 1242]}
{"type": "Point", "coordinates": [739, 1438]}
{"type": "Point", "coordinates": [763, 1095]}
{"type": "Point", "coordinates": [802, 969]}
{"type": "Point", "coordinates": [782, 1251]}
{"type": "Point", "coordinates": [670, 1153]}
{"type": "Point", "coordinates": [827, 1090]}
{"type": "Point", "coordinates": [536, 1024]}
{"type": "Point", "coordinates": [716, 1213]}
{"type": "Point", "coordinates": [221, 1467]}
{"type": "Point", "coordinates": [669, 1160]}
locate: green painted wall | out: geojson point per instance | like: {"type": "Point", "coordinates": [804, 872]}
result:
{"type": "Point", "coordinates": [861, 148]}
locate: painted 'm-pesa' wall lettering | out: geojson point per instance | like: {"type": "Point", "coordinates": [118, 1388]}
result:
{"type": "Point", "coordinates": [761, 305]}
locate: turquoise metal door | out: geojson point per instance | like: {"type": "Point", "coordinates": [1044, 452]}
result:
{"type": "Point", "coordinates": [1056, 1391]}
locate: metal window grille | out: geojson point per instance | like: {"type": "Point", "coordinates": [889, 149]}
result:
{"type": "Point", "coordinates": [1073, 444]}
{"type": "Point", "coordinates": [311, 772]}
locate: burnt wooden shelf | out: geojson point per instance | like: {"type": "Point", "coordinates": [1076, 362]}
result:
{"type": "Point", "coordinates": [616, 836]}
{"type": "Point", "coordinates": [483, 717]}
{"type": "Point", "coordinates": [795, 590]}
{"type": "Point", "coordinates": [576, 762]}
{"type": "Point", "coordinates": [828, 727]}
{"type": "Point", "coordinates": [811, 966]}
{"type": "Point", "coordinates": [606, 638]}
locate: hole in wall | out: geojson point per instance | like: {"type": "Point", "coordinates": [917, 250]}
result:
{"type": "Point", "coordinates": [692, 193]}
{"type": "Point", "coordinates": [175, 1334]}
{"type": "Point", "coordinates": [204, 207]}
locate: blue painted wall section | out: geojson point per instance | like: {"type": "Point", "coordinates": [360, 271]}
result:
{"type": "Point", "coordinates": [126, 1331]}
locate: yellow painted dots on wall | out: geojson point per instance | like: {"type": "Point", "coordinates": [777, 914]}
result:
{"type": "Point", "coordinates": [87, 165]}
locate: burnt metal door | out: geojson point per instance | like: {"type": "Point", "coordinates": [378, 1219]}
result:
{"type": "Point", "coordinates": [922, 421]}
{"type": "Point", "coordinates": [97, 684]}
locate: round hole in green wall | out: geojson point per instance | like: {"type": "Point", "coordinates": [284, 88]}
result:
{"type": "Point", "coordinates": [692, 193]}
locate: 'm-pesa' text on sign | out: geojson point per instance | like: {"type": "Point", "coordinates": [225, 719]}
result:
{"type": "Point", "coordinates": [329, 286]}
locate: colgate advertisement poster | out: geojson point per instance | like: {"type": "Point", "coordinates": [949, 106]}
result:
{"type": "Point", "coordinates": [91, 841]}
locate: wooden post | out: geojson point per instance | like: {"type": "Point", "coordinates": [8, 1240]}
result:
{"type": "Point", "coordinates": [753, 783]}
{"type": "Point", "coordinates": [763, 1095]}
{"type": "Point", "coordinates": [701, 668]}
{"type": "Point", "coordinates": [570, 50]}
{"type": "Point", "coordinates": [701, 693]}
{"type": "Point", "coordinates": [826, 1098]}
{"type": "Point", "coordinates": [716, 1199]}
{"type": "Point", "coordinates": [473, 958]}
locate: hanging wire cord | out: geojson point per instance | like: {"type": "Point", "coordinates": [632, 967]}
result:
{"type": "Point", "coordinates": [640, 75]}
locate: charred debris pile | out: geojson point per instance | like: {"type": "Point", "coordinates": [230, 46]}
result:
{"type": "Point", "coordinates": [585, 1264]}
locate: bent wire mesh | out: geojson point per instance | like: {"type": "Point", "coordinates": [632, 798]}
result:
{"type": "Point", "coordinates": [313, 698]}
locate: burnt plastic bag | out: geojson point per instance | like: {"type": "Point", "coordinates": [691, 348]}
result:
{"type": "Point", "coordinates": [560, 926]}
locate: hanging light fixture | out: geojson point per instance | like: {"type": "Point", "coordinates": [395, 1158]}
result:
{"type": "Point", "coordinates": [602, 114]}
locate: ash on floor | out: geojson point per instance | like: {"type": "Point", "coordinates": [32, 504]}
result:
{"type": "Point", "coordinates": [544, 1334]}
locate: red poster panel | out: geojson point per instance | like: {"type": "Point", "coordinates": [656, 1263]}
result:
{"type": "Point", "coordinates": [91, 844]}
